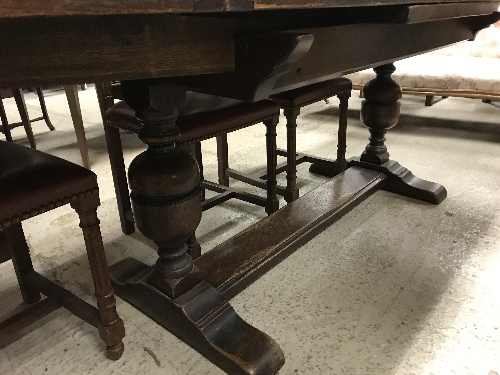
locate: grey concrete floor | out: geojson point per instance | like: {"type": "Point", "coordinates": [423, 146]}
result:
{"type": "Point", "coordinates": [397, 286]}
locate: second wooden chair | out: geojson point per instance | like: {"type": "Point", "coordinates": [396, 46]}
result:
{"type": "Point", "coordinates": [23, 112]}
{"type": "Point", "coordinates": [201, 117]}
{"type": "Point", "coordinates": [291, 102]}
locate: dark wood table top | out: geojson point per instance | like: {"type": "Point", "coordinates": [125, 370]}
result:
{"type": "Point", "coordinates": [63, 42]}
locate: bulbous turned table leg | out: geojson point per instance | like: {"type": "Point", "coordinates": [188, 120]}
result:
{"type": "Point", "coordinates": [379, 113]}
{"type": "Point", "coordinates": [166, 198]}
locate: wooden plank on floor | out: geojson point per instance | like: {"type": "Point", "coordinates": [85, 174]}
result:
{"type": "Point", "coordinates": [242, 259]}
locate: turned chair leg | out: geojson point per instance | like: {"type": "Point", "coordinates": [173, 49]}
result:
{"type": "Point", "coordinates": [111, 329]}
{"type": "Point", "coordinates": [44, 108]}
{"type": "Point", "coordinates": [272, 203]}
{"type": "Point", "coordinates": [23, 112]}
{"type": "Point", "coordinates": [341, 163]}
{"type": "Point", "coordinates": [115, 152]}
{"type": "Point", "coordinates": [5, 123]}
{"type": "Point", "coordinates": [223, 159]}
{"type": "Point", "coordinates": [292, 193]}
{"type": "Point", "coordinates": [20, 255]}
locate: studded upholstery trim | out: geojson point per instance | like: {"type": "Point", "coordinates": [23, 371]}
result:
{"type": "Point", "coordinates": [122, 126]}
{"type": "Point", "coordinates": [47, 207]}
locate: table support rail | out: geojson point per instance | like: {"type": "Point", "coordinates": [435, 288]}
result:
{"type": "Point", "coordinates": [248, 255]}
{"type": "Point", "coordinates": [202, 316]}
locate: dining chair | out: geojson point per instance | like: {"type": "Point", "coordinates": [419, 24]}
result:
{"type": "Point", "coordinates": [23, 112]}
{"type": "Point", "coordinates": [291, 102]}
{"type": "Point", "coordinates": [31, 183]}
{"type": "Point", "coordinates": [201, 117]}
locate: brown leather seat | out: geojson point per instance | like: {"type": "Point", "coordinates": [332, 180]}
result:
{"type": "Point", "coordinates": [201, 117]}
{"type": "Point", "coordinates": [32, 182]}
{"type": "Point", "coordinates": [211, 119]}
{"type": "Point", "coordinates": [291, 102]}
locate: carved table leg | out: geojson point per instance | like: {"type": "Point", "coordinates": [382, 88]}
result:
{"type": "Point", "coordinates": [165, 191]}
{"type": "Point", "coordinates": [380, 112]}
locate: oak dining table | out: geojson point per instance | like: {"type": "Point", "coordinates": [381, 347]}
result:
{"type": "Point", "coordinates": [246, 50]}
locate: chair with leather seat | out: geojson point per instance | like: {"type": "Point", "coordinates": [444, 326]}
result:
{"type": "Point", "coordinates": [291, 102]}
{"type": "Point", "coordinates": [200, 117]}
{"type": "Point", "coordinates": [25, 120]}
{"type": "Point", "coordinates": [31, 183]}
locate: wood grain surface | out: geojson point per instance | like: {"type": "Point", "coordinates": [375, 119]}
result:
{"type": "Point", "coordinates": [64, 50]}
{"type": "Point", "coordinates": [26, 8]}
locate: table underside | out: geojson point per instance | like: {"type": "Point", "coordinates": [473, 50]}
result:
{"type": "Point", "coordinates": [215, 53]}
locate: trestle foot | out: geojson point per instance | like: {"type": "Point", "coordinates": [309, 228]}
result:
{"type": "Point", "coordinates": [401, 181]}
{"type": "Point", "coordinates": [203, 319]}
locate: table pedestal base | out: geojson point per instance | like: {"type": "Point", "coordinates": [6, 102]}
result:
{"type": "Point", "coordinates": [401, 181]}
{"type": "Point", "coordinates": [203, 319]}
